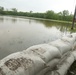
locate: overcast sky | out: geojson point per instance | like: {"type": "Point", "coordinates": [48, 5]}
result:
{"type": "Point", "coordinates": [39, 5]}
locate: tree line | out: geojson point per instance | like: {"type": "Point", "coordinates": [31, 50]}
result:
{"type": "Point", "coordinates": [50, 14]}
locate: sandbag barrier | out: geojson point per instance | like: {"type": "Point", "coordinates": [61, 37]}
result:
{"type": "Point", "coordinates": [53, 58]}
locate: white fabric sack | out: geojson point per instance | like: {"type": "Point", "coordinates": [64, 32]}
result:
{"type": "Point", "coordinates": [21, 64]}
{"type": "Point", "coordinates": [50, 66]}
{"type": "Point", "coordinates": [65, 66]}
{"type": "Point", "coordinates": [69, 40]}
{"type": "Point", "coordinates": [44, 51]}
{"type": "Point", "coordinates": [62, 46]}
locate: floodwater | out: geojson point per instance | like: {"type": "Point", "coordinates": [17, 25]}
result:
{"type": "Point", "coordinates": [17, 33]}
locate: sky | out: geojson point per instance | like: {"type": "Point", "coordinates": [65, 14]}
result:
{"type": "Point", "coordinates": [39, 5]}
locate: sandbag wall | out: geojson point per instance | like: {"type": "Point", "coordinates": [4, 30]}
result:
{"type": "Point", "coordinates": [40, 59]}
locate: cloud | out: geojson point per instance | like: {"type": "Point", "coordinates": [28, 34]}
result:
{"type": "Point", "coordinates": [39, 5]}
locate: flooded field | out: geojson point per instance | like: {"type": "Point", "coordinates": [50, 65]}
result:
{"type": "Point", "coordinates": [17, 34]}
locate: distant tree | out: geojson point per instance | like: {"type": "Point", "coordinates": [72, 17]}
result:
{"type": "Point", "coordinates": [31, 11]}
{"type": "Point", "coordinates": [50, 14]}
{"type": "Point", "coordinates": [65, 13]}
{"type": "Point", "coordinates": [1, 8]}
{"type": "Point", "coordinates": [14, 9]}
{"type": "Point", "coordinates": [60, 13]}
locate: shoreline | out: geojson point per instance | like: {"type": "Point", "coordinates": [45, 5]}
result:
{"type": "Point", "coordinates": [34, 18]}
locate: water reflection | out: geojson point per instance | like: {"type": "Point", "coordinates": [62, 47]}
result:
{"type": "Point", "coordinates": [63, 27]}
{"type": "Point", "coordinates": [17, 34]}
{"type": "Point", "coordinates": [1, 19]}
{"type": "Point", "coordinates": [14, 20]}
{"type": "Point", "coordinates": [30, 21]}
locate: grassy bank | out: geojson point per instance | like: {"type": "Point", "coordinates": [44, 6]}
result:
{"type": "Point", "coordinates": [49, 20]}
{"type": "Point", "coordinates": [25, 17]}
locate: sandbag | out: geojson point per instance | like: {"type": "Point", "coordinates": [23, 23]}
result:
{"type": "Point", "coordinates": [44, 51]}
{"type": "Point", "coordinates": [50, 67]}
{"type": "Point", "coordinates": [21, 64]}
{"type": "Point", "coordinates": [74, 46]}
{"type": "Point", "coordinates": [62, 46]}
{"type": "Point", "coordinates": [74, 35]}
{"type": "Point", "coordinates": [62, 70]}
{"type": "Point", "coordinates": [68, 40]}
{"type": "Point", "coordinates": [74, 54]}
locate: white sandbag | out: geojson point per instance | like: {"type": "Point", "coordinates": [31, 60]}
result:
{"type": "Point", "coordinates": [68, 40]}
{"type": "Point", "coordinates": [61, 45]}
{"type": "Point", "coordinates": [44, 51]}
{"type": "Point", "coordinates": [64, 56]}
{"type": "Point", "coordinates": [21, 64]}
{"type": "Point", "coordinates": [62, 70]}
{"type": "Point", "coordinates": [74, 46]}
{"type": "Point", "coordinates": [74, 35]}
{"type": "Point", "coordinates": [74, 54]}
{"type": "Point", "coordinates": [50, 66]}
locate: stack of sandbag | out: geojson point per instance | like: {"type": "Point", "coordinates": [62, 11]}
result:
{"type": "Point", "coordinates": [64, 45]}
{"type": "Point", "coordinates": [47, 53]}
{"type": "Point", "coordinates": [38, 59]}
{"type": "Point", "coordinates": [67, 60]}
{"type": "Point", "coordinates": [65, 65]}
{"type": "Point", "coordinates": [30, 61]}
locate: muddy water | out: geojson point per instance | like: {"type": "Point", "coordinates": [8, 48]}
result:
{"type": "Point", "coordinates": [17, 34]}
